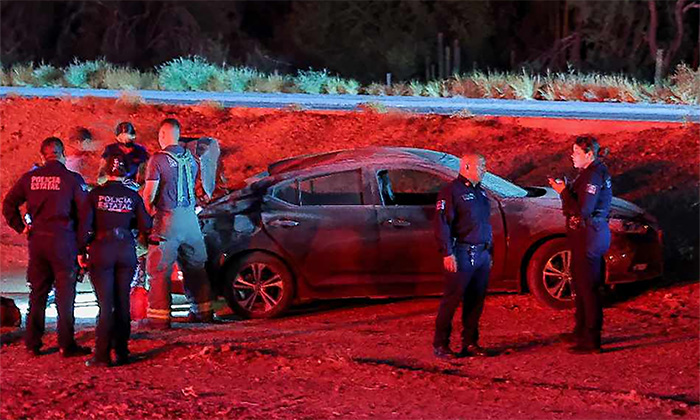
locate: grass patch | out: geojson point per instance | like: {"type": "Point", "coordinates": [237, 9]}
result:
{"type": "Point", "coordinates": [196, 74]}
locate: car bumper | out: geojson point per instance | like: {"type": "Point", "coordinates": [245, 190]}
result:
{"type": "Point", "coordinates": [634, 257]}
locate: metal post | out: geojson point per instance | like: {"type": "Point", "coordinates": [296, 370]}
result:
{"type": "Point", "coordinates": [440, 59]}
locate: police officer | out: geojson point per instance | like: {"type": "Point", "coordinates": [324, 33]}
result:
{"type": "Point", "coordinates": [55, 200]}
{"type": "Point", "coordinates": [176, 235]}
{"type": "Point", "coordinates": [463, 231]}
{"type": "Point", "coordinates": [586, 205]}
{"type": "Point", "coordinates": [114, 210]}
{"type": "Point", "coordinates": [133, 155]}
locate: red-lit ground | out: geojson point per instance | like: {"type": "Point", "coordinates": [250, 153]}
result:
{"type": "Point", "coordinates": [373, 360]}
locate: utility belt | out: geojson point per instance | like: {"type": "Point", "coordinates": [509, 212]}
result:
{"type": "Point", "coordinates": [577, 222]}
{"type": "Point", "coordinates": [476, 247]}
{"type": "Point", "coordinates": [115, 234]}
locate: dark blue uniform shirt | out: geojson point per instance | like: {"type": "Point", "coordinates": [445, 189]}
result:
{"type": "Point", "coordinates": [133, 157]}
{"type": "Point", "coordinates": [590, 195]}
{"type": "Point", "coordinates": [55, 199]}
{"type": "Point", "coordinates": [462, 214]}
{"type": "Point", "coordinates": [114, 206]}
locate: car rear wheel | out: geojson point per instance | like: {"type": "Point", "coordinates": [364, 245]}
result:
{"type": "Point", "coordinates": [259, 286]}
{"type": "Point", "coordinates": [549, 274]}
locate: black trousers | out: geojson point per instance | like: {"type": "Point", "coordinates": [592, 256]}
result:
{"type": "Point", "coordinates": [588, 245]}
{"type": "Point", "coordinates": [112, 267]}
{"type": "Point", "coordinates": [52, 259]}
{"type": "Point", "coordinates": [468, 287]}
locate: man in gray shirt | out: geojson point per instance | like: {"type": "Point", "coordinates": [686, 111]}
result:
{"type": "Point", "coordinates": [176, 235]}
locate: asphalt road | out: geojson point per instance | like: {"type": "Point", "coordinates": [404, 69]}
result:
{"type": "Point", "coordinates": [486, 107]}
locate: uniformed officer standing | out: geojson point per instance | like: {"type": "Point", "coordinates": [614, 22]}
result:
{"type": "Point", "coordinates": [586, 205]}
{"type": "Point", "coordinates": [176, 235]}
{"type": "Point", "coordinates": [134, 155]}
{"type": "Point", "coordinates": [463, 231]}
{"type": "Point", "coordinates": [55, 200]}
{"type": "Point", "coordinates": [114, 210]}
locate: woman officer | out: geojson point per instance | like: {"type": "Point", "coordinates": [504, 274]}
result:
{"type": "Point", "coordinates": [114, 210]}
{"type": "Point", "coordinates": [586, 205]}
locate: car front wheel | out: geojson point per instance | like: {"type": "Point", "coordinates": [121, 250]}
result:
{"type": "Point", "coordinates": [259, 286]}
{"type": "Point", "coordinates": [549, 274]}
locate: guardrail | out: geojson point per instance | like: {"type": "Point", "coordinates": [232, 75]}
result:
{"type": "Point", "coordinates": [486, 107]}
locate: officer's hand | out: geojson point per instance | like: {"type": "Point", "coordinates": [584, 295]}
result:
{"type": "Point", "coordinates": [450, 264]}
{"type": "Point", "coordinates": [557, 185]}
{"type": "Point", "coordinates": [82, 261]}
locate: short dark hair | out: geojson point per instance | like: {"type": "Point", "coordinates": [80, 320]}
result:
{"type": "Point", "coordinates": [171, 122]}
{"type": "Point", "coordinates": [52, 148]}
{"type": "Point", "coordinates": [591, 144]}
{"type": "Point", "coordinates": [125, 127]}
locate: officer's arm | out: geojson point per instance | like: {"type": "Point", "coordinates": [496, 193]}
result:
{"type": "Point", "coordinates": [10, 206]}
{"type": "Point", "coordinates": [82, 205]}
{"type": "Point", "coordinates": [87, 228]}
{"type": "Point", "coordinates": [588, 194]}
{"type": "Point", "coordinates": [144, 221]}
{"type": "Point", "coordinates": [442, 223]}
{"type": "Point", "coordinates": [150, 188]}
{"type": "Point", "coordinates": [568, 201]}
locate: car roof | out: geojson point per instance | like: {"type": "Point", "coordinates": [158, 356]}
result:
{"type": "Point", "coordinates": [365, 155]}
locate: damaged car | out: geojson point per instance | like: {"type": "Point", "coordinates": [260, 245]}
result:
{"type": "Point", "coordinates": [358, 223]}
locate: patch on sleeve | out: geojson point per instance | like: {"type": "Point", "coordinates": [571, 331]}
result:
{"type": "Point", "coordinates": [608, 183]}
{"type": "Point", "coordinates": [84, 187]}
{"type": "Point", "coordinates": [440, 206]}
{"type": "Point", "coordinates": [591, 189]}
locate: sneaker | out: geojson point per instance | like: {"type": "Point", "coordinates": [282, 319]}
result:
{"type": "Point", "coordinates": [75, 351]}
{"type": "Point", "coordinates": [472, 350]}
{"type": "Point", "coordinates": [443, 352]}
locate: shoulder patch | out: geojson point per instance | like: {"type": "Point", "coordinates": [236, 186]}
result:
{"type": "Point", "coordinates": [440, 206]}
{"type": "Point", "coordinates": [468, 196]}
{"type": "Point", "coordinates": [591, 189]}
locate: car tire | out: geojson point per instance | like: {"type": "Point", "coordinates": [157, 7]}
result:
{"type": "Point", "coordinates": [549, 274]}
{"type": "Point", "coordinates": [259, 285]}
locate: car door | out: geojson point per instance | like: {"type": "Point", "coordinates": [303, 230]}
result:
{"type": "Point", "coordinates": [408, 249]}
{"type": "Point", "coordinates": [326, 226]}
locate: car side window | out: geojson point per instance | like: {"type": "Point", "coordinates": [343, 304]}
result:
{"type": "Point", "coordinates": [409, 187]}
{"type": "Point", "coordinates": [339, 189]}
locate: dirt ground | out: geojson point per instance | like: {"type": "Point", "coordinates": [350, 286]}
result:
{"type": "Point", "coordinates": [361, 359]}
{"type": "Point", "coordinates": [372, 359]}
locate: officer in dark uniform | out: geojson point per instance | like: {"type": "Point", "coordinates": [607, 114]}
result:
{"type": "Point", "coordinates": [586, 205]}
{"type": "Point", "coordinates": [133, 155]}
{"type": "Point", "coordinates": [114, 210]}
{"type": "Point", "coordinates": [463, 231]}
{"type": "Point", "coordinates": [55, 200]}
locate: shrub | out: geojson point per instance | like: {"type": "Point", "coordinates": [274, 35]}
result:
{"type": "Point", "coordinates": [310, 81]}
{"type": "Point", "coordinates": [685, 85]}
{"type": "Point", "coordinates": [376, 89]}
{"type": "Point", "coordinates": [434, 89]}
{"type": "Point", "coordinates": [23, 75]}
{"type": "Point", "coordinates": [48, 75]}
{"type": "Point", "coordinates": [377, 107]}
{"type": "Point", "coordinates": [238, 78]}
{"type": "Point", "coordinates": [525, 86]}
{"type": "Point", "coordinates": [273, 83]}
{"type": "Point", "coordinates": [120, 78]}
{"type": "Point", "coordinates": [337, 85]}
{"type": "Point", "coordinates": [186, 74]}
{"type": "Point", "coordinates": [86, 74]}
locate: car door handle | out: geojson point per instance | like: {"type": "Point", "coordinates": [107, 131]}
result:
{"type": "Point", "coordinates": [397, 223]}
{"type": "Point", "coordinates": [285, 223]}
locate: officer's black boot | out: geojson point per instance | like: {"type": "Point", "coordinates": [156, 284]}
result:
{"type": "Point", "coordinates": [588, 344]}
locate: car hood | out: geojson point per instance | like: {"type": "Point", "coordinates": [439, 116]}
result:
{"type": "Point", "coordinates": [619, 208]}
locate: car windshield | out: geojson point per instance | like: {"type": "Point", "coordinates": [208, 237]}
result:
{"type": "Point", "coordinates": [492, 182]}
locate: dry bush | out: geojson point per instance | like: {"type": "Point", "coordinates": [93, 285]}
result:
{"type": "Point", "coordinates": [376, 89]}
